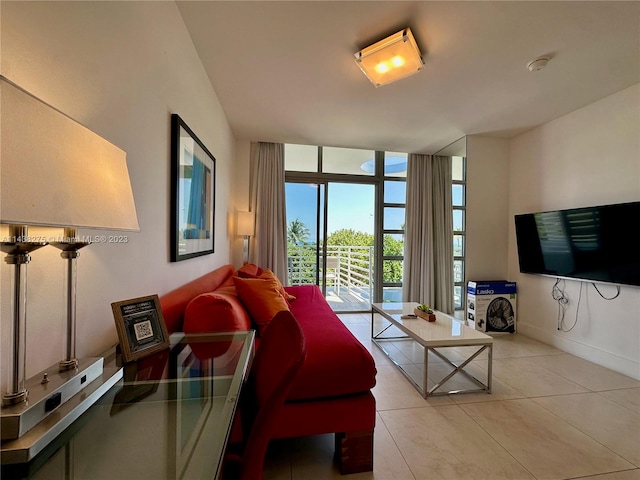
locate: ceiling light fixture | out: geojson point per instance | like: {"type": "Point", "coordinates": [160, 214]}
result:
{"type": "Point", "coordinates": [391, 59]}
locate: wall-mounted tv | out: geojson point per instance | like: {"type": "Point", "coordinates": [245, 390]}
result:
{"type": "Point", "coordinates": [595, 244]}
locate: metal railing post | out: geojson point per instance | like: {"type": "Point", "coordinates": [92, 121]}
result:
{"type": "Point", "coordinates": [370, 274]}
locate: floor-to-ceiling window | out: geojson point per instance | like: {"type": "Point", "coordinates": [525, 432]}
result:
{"type": "Point", "coordinates": [458, 200]}
{"type": "Point", "coordinates": [345, 223]}
{"type": "Point", "coordinates": [394, 187]}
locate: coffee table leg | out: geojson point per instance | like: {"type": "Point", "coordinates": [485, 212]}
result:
{"type": "Point", "coordinates": [425, 374]}
{"type": "Point", "coordinates": [489, 368]}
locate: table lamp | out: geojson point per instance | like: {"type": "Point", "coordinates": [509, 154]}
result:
{"type": "Point", "coordinates": [54, 173]}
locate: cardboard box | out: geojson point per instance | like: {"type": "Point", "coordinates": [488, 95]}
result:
{"type": "Point", "coordinates": [491, 306]}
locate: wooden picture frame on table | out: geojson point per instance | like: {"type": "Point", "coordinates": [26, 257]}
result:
{"type": "Point", "coordinates": [141, 327]}
{"type": "Point", "coordinates": [193, 175]}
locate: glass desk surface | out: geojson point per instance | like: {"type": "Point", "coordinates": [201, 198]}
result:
{"type": "Point", "coordinates": [169, 417]}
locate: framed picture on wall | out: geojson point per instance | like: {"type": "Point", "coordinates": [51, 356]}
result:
{"type": "Point", "coordinates": [193, 174]}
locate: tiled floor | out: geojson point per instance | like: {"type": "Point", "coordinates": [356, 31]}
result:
{"type": "Point", "coordinates": [551, 416]}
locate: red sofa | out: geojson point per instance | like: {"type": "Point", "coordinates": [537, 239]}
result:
{"type": "Point", "coordinates": [332, 393]}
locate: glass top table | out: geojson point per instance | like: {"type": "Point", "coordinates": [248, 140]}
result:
{"type": "Point", "coordinates": [445, 348]}
{"type": "Point", "coordinates": [169, 416]}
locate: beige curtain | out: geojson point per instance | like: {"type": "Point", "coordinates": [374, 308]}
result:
{"type": "Point", "coordinates": [428, 254]}
{"type": "Point", "coordinates": [269, 245]}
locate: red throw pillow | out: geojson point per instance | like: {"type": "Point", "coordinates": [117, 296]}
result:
{"type": "Point", "coordinates": [215, 312]}
{"type": "Point", "coordinates": [262, 299]}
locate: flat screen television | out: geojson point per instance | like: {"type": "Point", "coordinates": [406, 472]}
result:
{"type": "Point", "coordinates": [595, 244]}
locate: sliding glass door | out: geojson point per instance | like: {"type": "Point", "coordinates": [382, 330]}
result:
{"type": "Point", "coordinates": [305, 227]}
{"type": "Point", "coordinates": [350, 246]}
{"type": "Point", "coordinates": [330, 229]}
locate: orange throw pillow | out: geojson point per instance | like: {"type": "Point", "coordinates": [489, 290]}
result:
{"type": "Point", "coordinates": [261, 297]}
{"type": "Point", "coordinates": [250, 270]}
{"type": "Point", "coordinates": [267, 275]}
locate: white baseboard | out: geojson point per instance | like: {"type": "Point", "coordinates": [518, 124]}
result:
{"type": "Point", "coordinates": [605, 359]}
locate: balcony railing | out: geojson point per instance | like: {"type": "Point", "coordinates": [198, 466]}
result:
{"type": "Point", "coordinates": [349, 275]}
{"type": "Point", "coordinates": [349, 279]}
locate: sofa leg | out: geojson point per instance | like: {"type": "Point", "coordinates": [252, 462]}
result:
{"type": "Point", "coordinates": [354, 451]}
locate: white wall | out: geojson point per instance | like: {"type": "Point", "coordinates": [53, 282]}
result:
{"type": "Point", "coordinates": [121, 69]}
{"type": "Point", "coordinates": [588, 157]}
{"type": "Point", "coordinates": [487, 208]}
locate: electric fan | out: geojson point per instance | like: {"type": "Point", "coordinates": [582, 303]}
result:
{"type": "Point", "coordinates": [500, 314]}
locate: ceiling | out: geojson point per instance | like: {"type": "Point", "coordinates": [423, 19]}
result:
{"type": "Point", "coordinates": [285, 71]}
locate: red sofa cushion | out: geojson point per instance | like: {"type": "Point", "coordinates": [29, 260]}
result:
{"type": "Point", "coordinates": [337, 363]}
{"type": "Point", "coordinates": [326, 415]}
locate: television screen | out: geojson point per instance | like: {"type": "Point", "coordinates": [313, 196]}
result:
{"type": "Point", "coordinates": [593, 243]}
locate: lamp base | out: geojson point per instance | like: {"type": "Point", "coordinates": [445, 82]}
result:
{"type": "Point", "coordinates": [25, 448]}
{"type": "Point", "coordinates": [14, 398]}
{"type": "Point", "coordinates": [90, 382]}
{"type": "Point", "coordinates": [47, 391]}
{"type": "Point", "coordinates": [245, 250]}
{"type": "Point", "coordinates": [70, 364]}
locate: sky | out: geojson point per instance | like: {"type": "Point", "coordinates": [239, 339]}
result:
{"type": "Point", "coordinates": [350, 206]}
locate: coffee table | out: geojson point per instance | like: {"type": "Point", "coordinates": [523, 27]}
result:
{"type": "Point", "coordinates": [446, 335]}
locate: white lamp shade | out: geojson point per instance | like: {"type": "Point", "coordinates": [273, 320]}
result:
{"type": "Point", "coordinates": [56, 172]}
{"type": "Point", "coordinates": [391, 59]}
{"type": "Point", "coordinates": [245, 223]}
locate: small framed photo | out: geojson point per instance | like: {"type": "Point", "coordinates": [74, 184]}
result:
{"type": "Point", "coordinates": [141, 327]}
{"type": "Point", "coordinates": [193, 179]}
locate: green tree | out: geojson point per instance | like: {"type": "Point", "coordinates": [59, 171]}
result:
{"type": "Point", "coordinates": [349, 237]}
{"type": "Point", "coordinates": [391, 246]}
{"type": "Point", "coordinates": [297, 232]}
{"type": "Point", "coordinates": [392, 269]}
{"type": "Point", "coordinates": [301, 255]}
